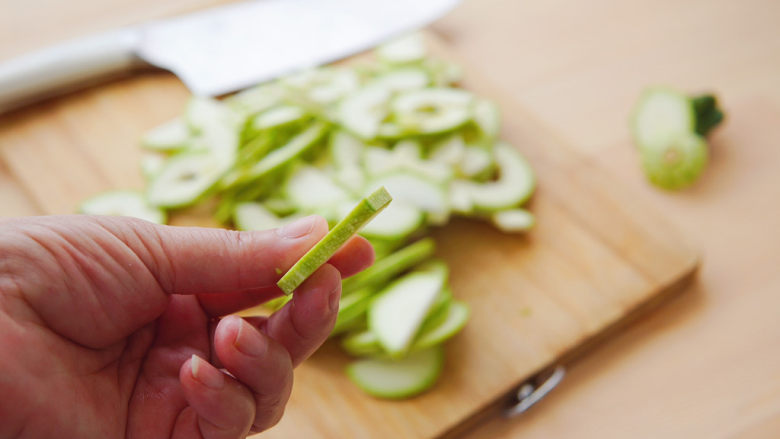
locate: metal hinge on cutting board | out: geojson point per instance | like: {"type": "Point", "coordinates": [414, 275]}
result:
{"type": "Point", "coordinates": [534, 390]}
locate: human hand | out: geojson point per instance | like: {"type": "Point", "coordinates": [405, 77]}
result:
{"type": "Point", "coordinates": [109, 326]}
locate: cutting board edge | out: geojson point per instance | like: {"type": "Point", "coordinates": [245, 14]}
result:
{"type": "Point", "coordinates": [677, 284]}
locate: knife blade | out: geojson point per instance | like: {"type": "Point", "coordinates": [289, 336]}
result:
{"type": "Point", "coordinates": [219, 50]}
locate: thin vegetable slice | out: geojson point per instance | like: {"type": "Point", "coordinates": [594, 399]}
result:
{"type": "Point", "coordinates": [432, 110]}
{"type": "Point", "coordinates": [221, 141]}
{"type": "Point", "coordinates": [362, 112]}
{"type": "Point", "coordinates": [399, 310]}
{"type": "Point", "coordinates": [398, 379]}
{"type": "Point", "coordinates": [513, 220]}
{"type": "Point", "coordinates": [170, 136]}
{"type": "Point", "coordinates": [390, 266]}
{"type": "Point", "coordinates": [460, 197]}
{"type": "Point", "coordinates": [438, 310]}
{"type": "Point", "coordinates": [327, 247]}
{"type": "Point", "coordinates": [397, 222]}
{"type": "Point", "coordinates": [362, 343]}
{"type": "Point", "coordinates": [184, 179]}
{"type": "Point", "coordinates": [256, 99]}
{"type": "Point", "coordinates": [346, 154]}
{"type": "Point", "coordinates": [404, 50]}
{"type": "Point", "coordinates": [204, 113]}
{"type": "Point", "coordinates": [414, 190]}
{"type": "Point", "coordinates": [403, 79]}
{"type": "Point", "coordinates": [440, 325]}
{"type": "Point", "coordinates": [324, 85]}
{"type": "Point", "coordinates": [151, 164]}
{"type": "Point", "coordinates": [515, 184]}
{"type": "Point", "coordinates": [449, 151]}
{"type": "Point", "coordinates": [352, 307]}
{"type": "Point", "coordinates": [123, 203]}
{"type": "Point", "coordinates": [488, 118]}
{"type": "Point", "coordinates": [281, 156]}
{"type": "Point", "coordinates": [443, 73]}
{"type": "Point", "coordinates": [312, 190]}
{"type": "Point", "coordinates": [379, 162]}
{"type": "Point", "coordinates": [277, 116]}
{"type": "Point", "coordinates": [476, 162]}
{"type": "Point", "coordinates": [455, 318]}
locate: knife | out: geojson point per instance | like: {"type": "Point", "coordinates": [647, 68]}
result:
{"type": "Point", "coordinates": [219, 50]}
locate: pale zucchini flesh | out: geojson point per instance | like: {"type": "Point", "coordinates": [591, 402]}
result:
{"type": "Point", "coordinates": [151, 164]}
{"type": "Point", "coordinates": [390, 266]}
{"type": "Point", "coordinates": [361, 344]}
{"type": "Point", "coordinates": [398, 311]}
{"type": "Point", "coordinates": [352, 307]}
{"type": "Point", "coordinates": [312, 190]}
{"type": "Point", "coordinates": [203, 114]}
{"type": "Point", "coordinates": [515, 184]}
{"type": "Point", "coordinates": [438, 309]}
{"type": "Point", "coordinates": [362, 113]}
{"type": "Point", "coordinates": [170, 136]}
{"type": "Point", "coordinates": [277, 116]}
{"type": "Point", "coordinates": [453, 320]}
{"type": "Point", "coordinates": [403, 79]}
{"type": "Point", "coordinates": [346, 153]}
{"type": "Point", "coordinates": [432, 110]}
{"type": "Point", "coordinates": [439, 327]}
{"type": "Point", "coordinates": [475, 162]}
{"type": "Point", "coordinates": [513, 220]}
{"type": "Point", "coordinates": [396, 379]}
{"type": "Point", "coordinates": [413, 190]}
{"type": "Point", "coordinates": [324, 85]}
{"type": "Point", "coordinates": [256, 99]}
{"type": "Point", "coordinates": [451, 151]}
{"type": "Point", "coordinates": [678, 163]}
{"type": "Point", "coordinates": [280, 157]}
{"type": "Point", "coordinates": [398, 221]}
{"type": "Point", "coordinates": [404, 158]}
{"type": "Point", "coordinates": [488, 118]}
{"type": "Point", "coordinates": [662, 113]}
{"type": "Point", "coordinates": [404, 50]}
{"type": "Point", "coordinates": [184, 179]}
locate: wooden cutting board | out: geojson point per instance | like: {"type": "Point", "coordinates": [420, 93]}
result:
{"type": "Point", "coordinates": [597, 258]}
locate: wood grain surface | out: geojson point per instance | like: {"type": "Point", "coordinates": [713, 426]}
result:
{"type": "Point", "coordinates": [705, 366]}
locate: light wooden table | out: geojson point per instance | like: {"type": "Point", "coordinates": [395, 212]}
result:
{"type": "Point", "coordinates": [707, 364]}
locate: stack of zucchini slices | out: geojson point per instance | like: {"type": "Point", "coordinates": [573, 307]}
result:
{"type": "Point", "coordinates": [317, 142]}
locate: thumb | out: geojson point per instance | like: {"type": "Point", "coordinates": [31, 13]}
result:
{"type": "Point", "coordinates": [193, 260]}
{"type": "Point", "coordinates": [97, 279]}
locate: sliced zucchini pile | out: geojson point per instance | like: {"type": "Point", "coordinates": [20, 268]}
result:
{"type": "Point", "coordinates": [319, 141]}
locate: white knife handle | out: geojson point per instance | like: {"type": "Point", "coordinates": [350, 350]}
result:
{"type": "Point", "coordinates": [66, 66]}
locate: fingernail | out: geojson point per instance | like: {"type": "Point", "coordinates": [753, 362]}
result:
{"type": "Point", "coordinates": [205, 374]}
{"type": "Point", "coordinates": [247, 342]}
{"type": "Point", "coordinates": [333, 299]}
{"type": "Point", "coordinates": [297, 228]}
